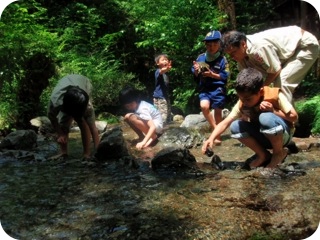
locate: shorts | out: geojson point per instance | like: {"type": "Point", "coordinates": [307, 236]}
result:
{"type": "Point", "coordinates": [217, 97]}
{"type": "Point", "coordinates": [65, 120]}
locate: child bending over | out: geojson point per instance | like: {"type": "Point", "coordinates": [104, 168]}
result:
{"type": "Point", "coordinates": [143, 117]}
{"type": "Point", "coordinates": [262, 119]}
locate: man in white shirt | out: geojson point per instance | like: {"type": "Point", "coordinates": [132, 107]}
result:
{"type": "Point", "coordinates": [283, 55]}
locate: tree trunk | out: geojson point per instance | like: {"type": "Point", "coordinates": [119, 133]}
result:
{"type": "Point", "coordinates": [227, 6]}
{"type": "Point", "coordinates": [39, 68]}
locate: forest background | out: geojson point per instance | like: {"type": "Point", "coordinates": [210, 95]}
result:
{"type": "Point", "coordinates": [113, 43]}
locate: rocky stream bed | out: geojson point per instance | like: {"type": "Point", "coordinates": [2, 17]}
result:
{"type": "Point", "coordinates": [115, 200]}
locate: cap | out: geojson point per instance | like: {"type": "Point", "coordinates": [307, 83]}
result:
{"type": "Point", "coordinates": [212, 35]}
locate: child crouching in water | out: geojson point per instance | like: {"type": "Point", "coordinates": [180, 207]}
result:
{"type": "Point", "coordinates": [262, 119]}
{"type": "Point", "coordinates": [143, 117]}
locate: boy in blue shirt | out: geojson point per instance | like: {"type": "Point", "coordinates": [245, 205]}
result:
{"type": "Point", "coordinates": [212, 79]}
{"type": "Point", "coordinates": [161, 93]}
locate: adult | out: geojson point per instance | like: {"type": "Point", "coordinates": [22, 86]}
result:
{"type": "Point", "coordinates": [283, 55]}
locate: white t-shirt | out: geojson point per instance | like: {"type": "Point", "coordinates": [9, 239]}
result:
{"type": "Point", "coordinates": [147, 111]}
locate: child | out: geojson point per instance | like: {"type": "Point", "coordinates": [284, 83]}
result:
{"type": "Point", "coordinates": [143, 117]}
{"type": "Point", "coordinates": [70, 100]}
{"type": "Point", "coordinates": [212, 80]}
{"type": "Point", "coordinates": [263, 118]}
{"type": "Point", "coordinates": [161, 93]}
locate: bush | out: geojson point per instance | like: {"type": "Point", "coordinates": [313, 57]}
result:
{"type": "Point", "coordinates": [309, 114]}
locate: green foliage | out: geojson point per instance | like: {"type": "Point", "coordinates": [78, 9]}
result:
{"type": "Point", "coordinates": [176, 28]}
{"type": "Point", "coordinates": [107, 88]}
{"type": "Point", "coordinates": [22, 34]}
{"type": "Point", "coordinates": [309, 113]}
{"type": "Point", "coordinates": [309, 87]}
{"type": "Point", "coordinates": [254, 16]}
{"type": "Point", "coordinates": [7, 114]}
{"type": "Point", "coordinates": [182, 98]}
{"type": "Point", "coordinates": [113, 42]}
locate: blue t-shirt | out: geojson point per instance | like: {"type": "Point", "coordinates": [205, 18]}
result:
{"type": "Point", "coordinates": [161, 85]}
{"type": "Point", "coordinates": [220, 66]}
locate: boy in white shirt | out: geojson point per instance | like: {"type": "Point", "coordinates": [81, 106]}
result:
{"type": "Point", "coordinates": [143, 117]}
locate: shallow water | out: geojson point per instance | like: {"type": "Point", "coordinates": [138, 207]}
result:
{"type": "Point", "coordinates": [71, 200]}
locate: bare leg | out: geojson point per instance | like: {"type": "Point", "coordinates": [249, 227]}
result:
{"type": "Point", "coordinates": [131, 119]}
{"type": "Point", "coordinates": [262, 153]}
{"type": "Point", "coordinates": [279, 153]}
{"type": "Point", "coordinates": [205, 108]}
{"type": "Point", "coordinates": [85, 137]}
{"type": "Point", "coordinates": [218, 119]}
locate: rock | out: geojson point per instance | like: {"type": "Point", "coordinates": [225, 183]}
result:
{"type": "Point", "coordinates": [43, 124]}
{"type": "Point", "coordinates": [101, 126]}
{"type": "Point", "coordinates": [20, 140]}
{"type": "Point", "coordinates": [194, 121]}
{"type": "Point", "coordinates": [180, 136]}
{"type": "Point", "coordinates": [112, 145]}
{"type": "Point", "coordinates": [178, 118]}
{"type": "Point", "coordinates": [198, 121]}
{"type": "Point", "coordinates": [176, 158]}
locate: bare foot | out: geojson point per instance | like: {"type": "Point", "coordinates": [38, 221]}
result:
{"type": "Point", "coordinates": [217, 142]}
{"type": "Point", "coordinates": [278, 158]}
{"type": "Point", "coordinates": [61, 156]}
{"type": "Point", "coordinates": [259, 161]}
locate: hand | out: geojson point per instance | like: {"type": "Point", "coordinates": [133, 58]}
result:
{"type": "Point", "coordinates": [266, 106]}
{"type": "Point", "coordinates": [139, 145]}
{"type": "Point", "coordinates": [207, 74]}
{"type": "Point", "coordinates": [167, 67]}
{"type": "Point", "coordinates": [196, 67]}
{"type": "Point", "coordinates": [62, 139]}
{"type": "Point", "coordinates": [207, 144]}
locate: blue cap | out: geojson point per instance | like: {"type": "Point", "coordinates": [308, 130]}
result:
{"type": "Point", "coordinates": [212, 35]}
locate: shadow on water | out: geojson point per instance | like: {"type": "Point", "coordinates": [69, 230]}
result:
{"type": "Point", "coordinates": [66, 201]}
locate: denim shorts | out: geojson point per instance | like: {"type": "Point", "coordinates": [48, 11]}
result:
{"type": "Point", "coordinates": [269, 124]}
{"type": "Point", "coordinates": [217, 97]}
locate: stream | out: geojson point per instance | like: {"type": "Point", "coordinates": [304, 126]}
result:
{"type": "Point", "coordinates": [113, 200]}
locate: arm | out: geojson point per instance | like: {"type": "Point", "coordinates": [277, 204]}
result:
{"type": "Point", "coordinates": [166, 68]}
{"type": "Point", "coordinates": [211, 74]}
{"type": "Point", "coordinates": [220, 128]}
{"type": "Point", "coordinates": [267, 58]}
{"type": "Point", "coordinates": [85, 136]}
{"type": "Point", "coordinates": [286, 110]}
{"type": "Point", "coordinates": [271, 77]}
{"type": "Point", "coordinates": [52, 115]}
{"type": "Point", "coordinates": [291, 116]}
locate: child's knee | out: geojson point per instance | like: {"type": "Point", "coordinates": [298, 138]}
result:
{"type": "Point", "coordinates": [128, 116]}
